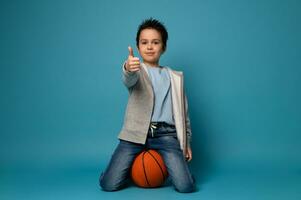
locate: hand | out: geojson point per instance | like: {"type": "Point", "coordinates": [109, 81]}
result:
{"type": "Point", "coordinates": [132, 63]}
{"type": "Point", "coordinates": [188, 155]}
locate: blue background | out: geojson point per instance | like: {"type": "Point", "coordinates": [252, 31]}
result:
{"type": "Point", "coordinates": [62, 100]}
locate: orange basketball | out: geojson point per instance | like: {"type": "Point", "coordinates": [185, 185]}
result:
{"type": "Point", "coordinates": [148, 169]}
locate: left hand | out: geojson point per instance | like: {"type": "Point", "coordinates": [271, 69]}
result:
{"type": "Point", "coordinates": [188, 155]}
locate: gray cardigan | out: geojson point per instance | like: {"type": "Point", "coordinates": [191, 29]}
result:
{"type": "Point", "coordinates": [141, 103]}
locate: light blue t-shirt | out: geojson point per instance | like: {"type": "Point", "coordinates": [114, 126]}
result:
{"type": "Point", "coordinates": [162, 91]}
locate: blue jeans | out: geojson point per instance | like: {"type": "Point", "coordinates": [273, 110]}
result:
{"type": "Point", "coordinates": [167, 144]}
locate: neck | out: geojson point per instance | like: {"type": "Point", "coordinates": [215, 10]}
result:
{"type": "Point", "coordinates": [156, 64]}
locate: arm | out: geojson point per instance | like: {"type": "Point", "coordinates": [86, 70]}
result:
{"type": "Point", "coordinates": [188, 132]}
{"type": "Point", "coordinates": [129, 78]}
{"type": "Point", "coordinates": [188, 125]}
{"type": "Point", "coordinates": [131, 69]}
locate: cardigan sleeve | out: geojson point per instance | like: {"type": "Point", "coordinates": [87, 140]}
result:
{"type": "Point", "coordinates": [129, 78]}
{"type": "Point", "coordinates": [188, 125]}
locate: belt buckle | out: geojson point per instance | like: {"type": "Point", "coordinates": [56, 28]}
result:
{"type": "Point", "coordinates": [152, 128]}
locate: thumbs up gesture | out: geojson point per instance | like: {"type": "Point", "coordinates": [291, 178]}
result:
{"type": "Point", "coordinates": [132, 63]}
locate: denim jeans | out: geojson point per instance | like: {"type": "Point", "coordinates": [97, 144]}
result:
{"type": "Point", "coordinates": [166, 143]}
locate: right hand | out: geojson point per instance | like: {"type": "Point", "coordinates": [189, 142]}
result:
{"type": "Point", "coordinates": [132, 63]}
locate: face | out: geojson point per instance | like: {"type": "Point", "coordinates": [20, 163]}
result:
{"type": "Point", "coordinates": [150, 46]}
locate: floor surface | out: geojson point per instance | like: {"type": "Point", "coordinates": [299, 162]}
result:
{"type": "Point", "coordinates": [82, 183]}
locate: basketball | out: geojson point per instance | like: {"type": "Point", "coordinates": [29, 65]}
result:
{"type": "Point", "coordinates": [148, 169]}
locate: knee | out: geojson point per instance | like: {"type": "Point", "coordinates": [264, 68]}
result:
{"type": "Point", "coordinates": [107, 185]}
{"type": "Point", "coordinates": [187, 187]}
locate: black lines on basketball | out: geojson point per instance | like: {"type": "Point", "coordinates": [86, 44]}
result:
{"type": "Point", "coordinates": [148, 169]}
{"type": "Point", "coordinates": [163, 175]}
{"type": "Point", "coordinates": [144, 169]}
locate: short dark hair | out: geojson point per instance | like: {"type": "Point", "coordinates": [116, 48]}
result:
{"type": "Point", "coordinates": [152, 23]}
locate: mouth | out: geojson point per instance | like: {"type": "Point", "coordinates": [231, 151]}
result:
{"type": "Point", "coordinates": [149, 54]}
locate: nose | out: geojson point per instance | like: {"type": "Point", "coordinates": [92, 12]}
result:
{"type": "Point", "coordinates": [149, 46]}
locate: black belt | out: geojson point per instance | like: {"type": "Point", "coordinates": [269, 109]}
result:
{"type": "Point", "coordinates": [160, 124]}
{"type": "Point", "coordinates": [157, 129]}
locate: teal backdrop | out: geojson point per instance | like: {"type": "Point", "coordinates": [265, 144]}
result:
{"type": "Point", "coordinates": [62, 100]}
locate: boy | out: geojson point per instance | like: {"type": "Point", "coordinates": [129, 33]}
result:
{"type": "Point", "coordinates": [156, 115]}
